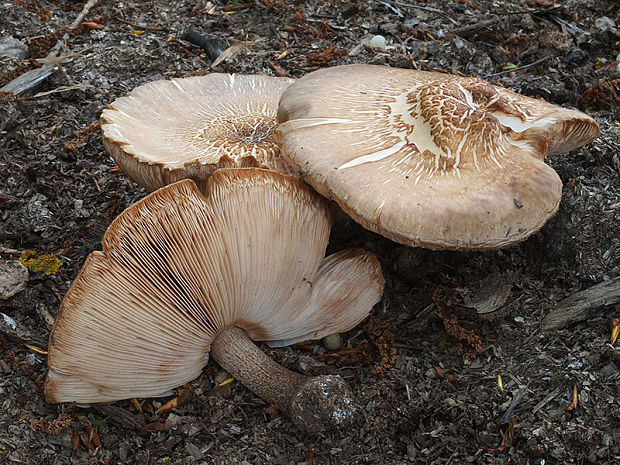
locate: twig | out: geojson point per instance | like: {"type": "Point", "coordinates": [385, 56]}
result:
{"type": "Point", "coordinates": [12, 330]}
{"type": "Point", "coordinates": [575, 307]}
{"type": "Point", "coordinates": [546, 400]}
{"type": "Point", "coordinates": [45, 315]}
{"type": "Point", "coordinates": [572, 29]}
{"type": "Point", "coordinates": [139, 26]}
{"type": "Point", "coordinates": [465, 31]}
{"type": "Point", "coordinates": [508, 414]}
{"type": "Point", "coordinates": [61, 89]}
{"type": "Point", "coordinates": [533, 11]}
{"type": "Point", "coordinates": [11, 252]}
{"type": "Point", "coordinates": [519, 68]}
{"type": "Point", "coordinates": [121, 416]}
{"type": "Point", "coordinates": [91, 176]}
{"type": "Point", "coordinates": [393, 8]}
{"type": "Point", "coordinates": [87, 6]}
{"type": "Point", "coordinates": [421, 317]}
{"type": "Point", "coordinates": [423, 8]}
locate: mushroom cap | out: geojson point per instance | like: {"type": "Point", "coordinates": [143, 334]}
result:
{"type": "Point", "coordinates": [169, 130]}
{"type": "Point", "coordinates": [429, 159]}
{"type": "Point", "coordinates": [178, 267]}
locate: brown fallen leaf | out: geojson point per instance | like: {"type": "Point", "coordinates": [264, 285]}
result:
{"type": "Point", "coordinates": [75, 441]}
{"type": "Point", "coordinates": [184, 396]}
{"type": "Point", "coordinates": [575, 400]}
{"type": "Point", "coordinates": [153, 427]}
{"type": "Point", "coordinates": [272, 412]}
{"type": "Point", "coordinates": [276, 68]}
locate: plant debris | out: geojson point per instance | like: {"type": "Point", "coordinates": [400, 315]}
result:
{"type": "Point", "coordinates": [422, 400]}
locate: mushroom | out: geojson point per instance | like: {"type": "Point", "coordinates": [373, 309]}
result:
{"type": "Point", "coordinates": [169, 130]}
{"type": "Point", "coordinates": [183, 276]}
{"type": "Point", "coordinates": [429, 159]}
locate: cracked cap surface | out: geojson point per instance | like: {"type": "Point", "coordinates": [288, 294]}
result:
{"type": "Point", "coordinates": [429, 159]}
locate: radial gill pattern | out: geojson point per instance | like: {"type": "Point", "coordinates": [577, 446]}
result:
{"type": "Point", "coordinates": [165, 131]}
{"type": "Point", "coordinates": [178, 267]}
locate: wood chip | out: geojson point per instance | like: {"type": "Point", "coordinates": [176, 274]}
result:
{"type": "Point", "coordinates": [576, 307]}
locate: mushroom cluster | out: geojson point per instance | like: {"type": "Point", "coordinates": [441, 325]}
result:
{"type": "Point", "coordinates": [201, 269]}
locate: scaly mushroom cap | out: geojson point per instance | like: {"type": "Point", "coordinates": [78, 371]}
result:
{"type": "Point", "coordinates": [429, 159]}
{"type": "Point", "coordinates": [178, 267]}
{"type": "Point", "coordinates": [165, 131]}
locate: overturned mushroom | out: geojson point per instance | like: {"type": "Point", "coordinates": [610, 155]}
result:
{"type": "Point", "coordinates": [182, 275]}
{"type": "Point", "coordinates": [429, 159]}
{"type": "Point", "coordinates": [169, 130]}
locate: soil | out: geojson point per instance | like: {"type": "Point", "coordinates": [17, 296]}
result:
{"type": "Point", "coordinates": [426, 396]}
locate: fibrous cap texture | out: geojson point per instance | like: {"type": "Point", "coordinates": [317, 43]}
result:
{"type": "Point", "coordinates": [429, 159]}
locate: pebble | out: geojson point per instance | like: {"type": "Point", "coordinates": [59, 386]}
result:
{"type": "Point", "coordinates": [378, 42]}
{"type": "Point", "coordinates": [332, 342]}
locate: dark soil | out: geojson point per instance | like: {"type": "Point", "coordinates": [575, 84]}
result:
{"type": "Point", "coordinates": [426, 396]}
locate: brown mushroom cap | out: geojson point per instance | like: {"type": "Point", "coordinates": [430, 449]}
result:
{"type": "Point", "coordinates": [169, 130]}
{"type": "Point", "coordinates": [429, 159]}
{"type": "Point", "coordinates": [177, 268]}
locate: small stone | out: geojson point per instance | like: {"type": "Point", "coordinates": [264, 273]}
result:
{"type": "Point", "coordinates": [411, 23]}
{"type": "Point", "coordinates": [378, 43]}
{"type": "Point", "coordinates": [8, 321]}
{"type": "Point", "coordinates": [332, 342]}
{"type": "Point", "coordinates": [431, 373]}
{"type": "Point", "coordinates": [123, 451]}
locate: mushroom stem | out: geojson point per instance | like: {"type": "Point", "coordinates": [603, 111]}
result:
{"type": "Point", "coordinates": [313, 403]}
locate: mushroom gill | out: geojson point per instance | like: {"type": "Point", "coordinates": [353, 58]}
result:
{"type": "Point", "coordinates": [180, 273]}
{"type": "Point", "coordinates": [169, 130]}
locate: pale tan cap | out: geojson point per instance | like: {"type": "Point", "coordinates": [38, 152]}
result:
{"type": "Point", "coordinates": [429, 159]}
{"type": "Point", "coordinates": [178, 267]}
{"type": "Point", "coordinates": [169, 130]}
